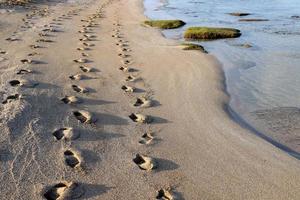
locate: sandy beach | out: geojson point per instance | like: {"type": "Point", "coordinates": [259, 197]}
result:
{"type": "Point", "coordinates": [86, 87]}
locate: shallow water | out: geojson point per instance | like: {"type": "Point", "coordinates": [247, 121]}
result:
{"type": "Point", "coordinates": [263, 81]}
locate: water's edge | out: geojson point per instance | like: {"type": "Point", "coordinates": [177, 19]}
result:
{"type": "Point", "coordinates": [234, 115]}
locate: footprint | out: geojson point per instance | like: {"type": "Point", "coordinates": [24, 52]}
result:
{"type": "Point", "coordinates": [139, 118]}
{"type": "Point", "coordinates": [89, 36]}
{"type": "Point", "coordinates": [84, 39]}
{"type": "Point", "coordinates": [34, 46]}
{"type": "Point", "coordinates": [3, 52]}
{"type": "Point", "coordinates": [79, 89]}
{"type": "Point", "coordinates": [12, 39]}
{"type": "Point", "coordinates": [15, 83]}
{"type": "Point", "coordinates": [126, 62]}
{"type": "Point", "coordinates": [44, 40]}
{"type": "Point", "coordinates": [65, 133]}
{"type": "Point", "coordinates": [127, 88]}
{"type": "Point", "coordinates": [72, 159]}
{"type": "Point", "coordinates": [64, 190]}
{"type": "Point", "coordinates": [26, 61]}
{"type": "Point", "coordinates": [130, 78]}
{"type": "Point", "coordinates": [33, 54]}
{"type": "Point", "coordinates": [164, 194]}
{"type": "Point", "coordinates": [11, 98]}
{"type": "Point", "coordinates": [70, 100]}
{"type": "Point", "coordinates": [85, 54]}
{"type": "Point", "coordinates": [146, 138]}
{"type": "Point", "coordinates": [81, 60]}
{"type": "Point", "coordinates": [88, 44]}
{"type": "Point", "coordinates": [82, 49]}
{"type": "Point", "coordinates": [82, 31]}
{"type": "Point", "coordinates": [85, 69]}
{"type": "Point", "coordinates": [142, 102]}
{"type": "Point", "coordinates": [145, 162]}
{"type": "Point", "coordinates": [122, 55]}
{"type": "Point", "coordinates": [84, 117]}
{"type": "Point", "coordinates": [77, 77]}
{"type": "Point", "coordinates": [44, 35]}
{"type": "Point", "coordinates": [124, 69]}
{"type": "Point", "coordinates": [24, 71]}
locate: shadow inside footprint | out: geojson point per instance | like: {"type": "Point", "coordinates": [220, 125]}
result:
{"type": "Point", "coordinates": [14, 83]}
{"type": "Point", "coordinates": [72, 159]}
{"type": "Point", "coordinates": [11, 98]}
{"type": "Point", "coordinates": [84, 117]}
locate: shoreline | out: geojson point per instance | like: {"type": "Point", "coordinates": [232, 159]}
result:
{"type": "Point", "coordinates": [236, 116]}
{"type": "Point", "coordinates": [199, 151]}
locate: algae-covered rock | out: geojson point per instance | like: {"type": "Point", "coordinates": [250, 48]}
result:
{"type": "Point", "coordinates": [239, 14]}
{"type": "Point", "coordinates": [191, 46]}
{"type": "Point", "coordinates": [165, 24]}
{"type": "Point", "coordinates": [208, 33]}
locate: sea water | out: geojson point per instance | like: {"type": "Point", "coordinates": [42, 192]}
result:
{"type": "Point", "coordinates": [263, 81]}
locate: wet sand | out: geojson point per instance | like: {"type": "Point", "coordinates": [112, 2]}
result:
{"type": "Point", "coordinates": [75, 127]}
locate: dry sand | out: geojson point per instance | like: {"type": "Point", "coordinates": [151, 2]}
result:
{"type": "Point", "coordinates": [85, 149]}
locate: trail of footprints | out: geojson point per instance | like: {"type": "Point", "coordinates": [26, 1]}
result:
{"type": "Point", "coordinates": [72, 157]}
{"type": "Point", "coordinates": [144, 162]}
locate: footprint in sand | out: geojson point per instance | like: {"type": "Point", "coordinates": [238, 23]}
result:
{"type": "Point", "coordinates": [77, 77]}
{"type": "Point", "coordinates": [125, 49]}
{"type": "Point", "coordinates": [139, 118]}
{"type": "Point", "coordinates": [145, 162]}
{"type": "Point", "coordinates": [79, 89]}
{"type": "Point", "coordinates": [34, 46]}
{"type": "Point", "coordinates": [164, 194]}
{"type": "Point", "coordinates": [44, 40]}
{"type": "Point", "coordinates": [44, 35]}
{"type": "Point", "coordinates": [70, 100]}
{"type": "Point", "coordinates": [33, 54]}
{"type": "Point", "coordinates": [11, 98]}
{"type": "Point", "coordinates": [146, 138]}
{"type": "Point", "coordinates": [72, 158]}
{"type": "Point", "coordinates": [26, 61]}
{"type": "Point", "coordinates": [22, 83]}
{"type": "Point", "coordinates": [142, 102]}
{"type": "Point", "coordinates": [126, 62]}
{"type": "Point", "coordinates": [85, 54]}
{"type": "Point", "coordinates": [64, 190]}
{"type": "Point", "coordinates": [88, 44]}
{"type": "Point", "coordinates": [126, 69]}
{"type": "Point", "coordinates": [81, 60]}
{"type": "Point", "coordinates": [89, 36]}
{"type": "Point", "coordinates": [83, 31]}
{"type": "Point", "coordinates": [82, 49]}
{"type": "Point", "coordinates": [85, 69]}
{"type": "Point", "coordinates": [84, 117]}
{"type": "Point", "coordinates": [3, 52]}
{"type": "Point", "coordinates": [85, 39]}
{"type": "Point", "coordinates": [127, 89]}
{"type": "Point", "coordinates": [24, 71]}
{"type": "Point", "coordinates": [123, 55]}
{"type": "Point", "coordinates": [12, 39]}
{"type": "Point", "coordinates": [130, 78]}
{"type": "Point", "coordinates": [66, 134]}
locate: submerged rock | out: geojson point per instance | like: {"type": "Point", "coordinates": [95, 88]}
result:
{"type": "Point", "coordinates": [191, 46]}
{"type": "Point", "coordinates": [239, 14]}
{"type": "Point", "coordinates": [165, 24]}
